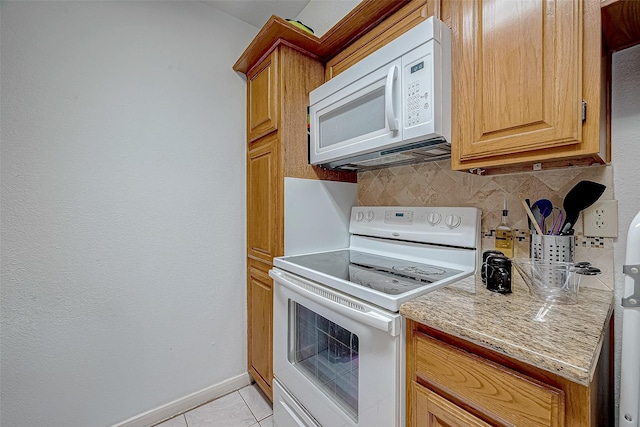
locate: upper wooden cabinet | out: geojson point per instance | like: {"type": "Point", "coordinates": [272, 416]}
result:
{"type": "Point", "coordinates": [262, 105]}
{"type": "Point", "coordinates": [391, 28]}
{"type": "Point", "coordinates": [522, 74]}
{"type": "Point", "coordinates": [621, 23]}
{"type": "Point", "coordinates": [365, 16]}
{"type": "Point", "coordinates": [521, 71]}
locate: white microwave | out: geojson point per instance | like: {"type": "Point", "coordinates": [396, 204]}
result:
{"type": "Point", "coordinates": [391, 108]}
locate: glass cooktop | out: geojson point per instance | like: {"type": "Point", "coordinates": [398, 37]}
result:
{"type": "Point", "coordinates": [391, 276]}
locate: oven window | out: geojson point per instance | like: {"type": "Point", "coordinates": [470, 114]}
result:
{"type": "Point", "coordinates": [327, 354]}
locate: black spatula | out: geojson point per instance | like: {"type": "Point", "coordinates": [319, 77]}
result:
{"type": "Point", "coordinates": [580, 197]}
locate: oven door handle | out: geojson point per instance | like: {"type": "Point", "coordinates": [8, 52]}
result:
{"type": "Point", "coordinates": [345, 306]}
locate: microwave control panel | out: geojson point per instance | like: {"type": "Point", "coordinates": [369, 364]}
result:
{"type": "Point", "coordinates": [418, 70]}
{"type": "Point", "coordinates": [418, 97]}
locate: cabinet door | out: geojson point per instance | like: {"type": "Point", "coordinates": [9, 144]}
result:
{"type": "Point", "coordinates": [260, 326]}
{"type": "Point", "coordinates": [264, 195]}
{"type": "Point", "coordinates": [431, 410]}
{"type": "Point", "coordinates": [476, 382]}
{"type": "Point", "coordinates": [517, 76]}
{"type": "Point", "coordinates": [391, 28]}
{"type": "Point", "coordinates": [262, 100]}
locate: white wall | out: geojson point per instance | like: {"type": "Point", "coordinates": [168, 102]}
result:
{"type": "Point", "coordinates": [625, 134]}
{"type": "Point", "coordinates": [321, 15]}
{"type": "Point", "coordinates": [123, 197]}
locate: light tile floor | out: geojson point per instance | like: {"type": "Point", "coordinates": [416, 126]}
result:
{"type": "Point", "coordinates": [246, 407]}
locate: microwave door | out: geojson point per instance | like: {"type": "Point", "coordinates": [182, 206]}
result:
{"type": "Point", "coordinates": [359, 118]}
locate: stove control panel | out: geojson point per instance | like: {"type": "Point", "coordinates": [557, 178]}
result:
{"type": "Point", "coordinates": [398, 217]}
{"type": "Point", "coordinates": [453, 226]}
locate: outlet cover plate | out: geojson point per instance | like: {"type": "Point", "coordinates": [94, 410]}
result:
{"type": "Point", "coordinates": [601, 219]}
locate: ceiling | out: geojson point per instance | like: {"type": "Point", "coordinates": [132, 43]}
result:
{"type": "Point", "coordinates": [257, 12]}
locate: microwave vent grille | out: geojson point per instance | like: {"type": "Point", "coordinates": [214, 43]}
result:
{"type": "Point", "coordinates": [420, 152]}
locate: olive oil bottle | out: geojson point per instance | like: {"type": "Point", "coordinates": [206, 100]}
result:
{"type": "Point", "coordinates": [504, 234]}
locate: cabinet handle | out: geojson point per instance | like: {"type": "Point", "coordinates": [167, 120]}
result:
{"type": "Point", "coordinates": [392, 75]}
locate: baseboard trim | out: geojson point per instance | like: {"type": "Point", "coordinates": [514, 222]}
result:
{"type": "Point", "coordinates": [190, 401]}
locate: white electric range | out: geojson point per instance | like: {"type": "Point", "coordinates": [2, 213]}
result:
{"type": "Point", "coordinates": [338, 336]}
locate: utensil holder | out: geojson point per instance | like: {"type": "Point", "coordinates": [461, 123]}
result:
{"type": "Point", "coordinates": [553, 248]}
{"type": "Point", "coordinates": [548, 249]}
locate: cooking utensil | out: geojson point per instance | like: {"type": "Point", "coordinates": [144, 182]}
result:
{"type": "Point", "coordinates": [580, 197]}
{"type": "Point", "coordinates": [528, 202]}
{"type": "Point", "coordinates": [535, 210]}
{"type": "Point", "coordinates": [530, 215]}
{"type": "Point", "coordinates": [557, 222]}
{"type": "Point", "coordinates": [544, 208]}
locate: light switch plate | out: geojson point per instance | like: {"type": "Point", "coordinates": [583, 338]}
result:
{"type": "Point", "coordinates": [601, 219]}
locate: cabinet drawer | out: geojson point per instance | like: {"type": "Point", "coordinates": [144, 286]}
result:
{"type": "Point", "coordinates": [504, 396]}
{"type": "Point", "coordinates": [432, 410]}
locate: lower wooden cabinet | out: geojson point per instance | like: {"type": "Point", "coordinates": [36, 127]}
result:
{"type": "Point", "coordinates": [260, 324]}
{"type": "Point", "coordinates": [432, 410]}
{"type": "Point", "coordinates": [451, 382]}
{"type": "Point", "coordinates": [501, 394]}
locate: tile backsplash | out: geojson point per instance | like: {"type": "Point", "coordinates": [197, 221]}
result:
{"type": "Point", "coordinates": [435, 184]}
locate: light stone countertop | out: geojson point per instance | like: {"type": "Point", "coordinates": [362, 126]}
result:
{"type": "Point", "coordinates": [562, 339]}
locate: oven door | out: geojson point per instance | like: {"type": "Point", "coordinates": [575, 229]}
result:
{"type": "Point", "coordinates": [342, 360]}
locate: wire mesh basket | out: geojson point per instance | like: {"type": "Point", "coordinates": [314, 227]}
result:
{"type": "Point", "coordinates": [553, 248]}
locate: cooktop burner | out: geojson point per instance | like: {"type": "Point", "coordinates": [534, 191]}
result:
{"type": "Point", "coordinates": [388, 275]}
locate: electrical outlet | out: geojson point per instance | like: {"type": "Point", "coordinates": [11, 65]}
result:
{"type": "Point", "coordinates": [601, 219]}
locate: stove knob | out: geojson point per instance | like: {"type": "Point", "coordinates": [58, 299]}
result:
{"type": "Point", "coordinates": [359, 216]}
{"type": "Point", "coordinates": [434, 218]}
{"type": "Point", "coordinates": [370, 215]}
{"type": "Point", "coordinates": [452, 221]}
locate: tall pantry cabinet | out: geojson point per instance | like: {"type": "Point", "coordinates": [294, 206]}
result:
{"type": "Point", "coordinates": [277, 98]}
